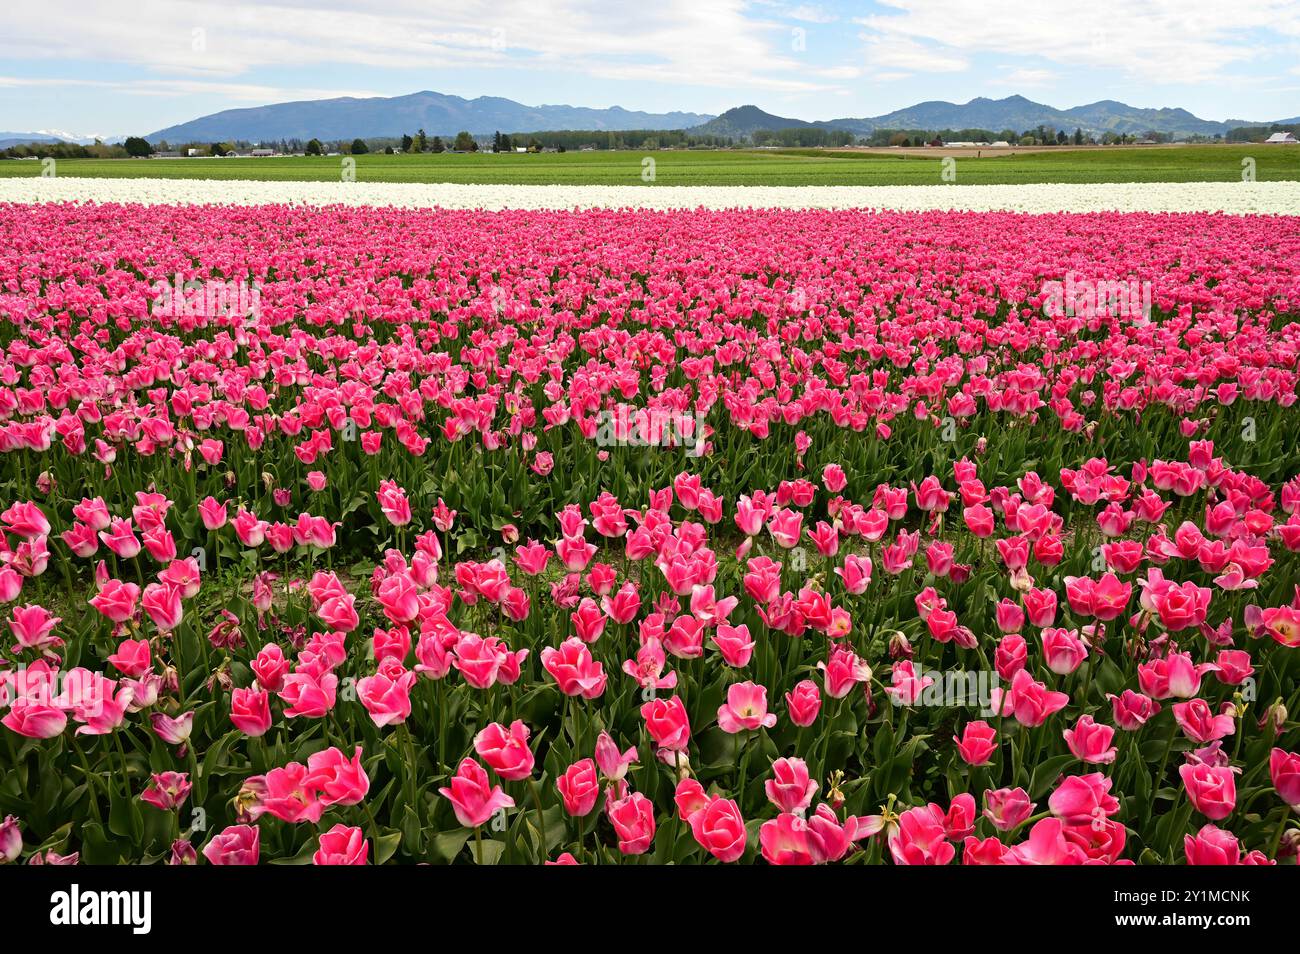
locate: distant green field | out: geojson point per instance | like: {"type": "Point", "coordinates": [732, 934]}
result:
{"type": "Point", "coordinates": [754, 167]}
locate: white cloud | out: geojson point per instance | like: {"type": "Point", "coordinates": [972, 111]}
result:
{"type": "Point", "coordinates": [1021, 77]}
{"type": "Point", "coordinates": [1163, 41]}
{"type": "Point", "coordinates": [811, 13]}
{"type": "Point", "coordinates": [718, 43]}
{"type": "Point", "coordinates": [245, 92]}
{"type": "Point", "coordinates": [892, 53]}
{"type": "Point", "coordinates": [840, 72]}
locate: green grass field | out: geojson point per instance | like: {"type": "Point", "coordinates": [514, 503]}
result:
{"type": "Point", "coordinates": [778, 168]}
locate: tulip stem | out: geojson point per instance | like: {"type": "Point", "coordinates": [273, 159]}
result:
{"type": "Point", "coordinates": [126, 772]}
{"type": "Point", "coordinates": [411, 767]}
{"type": "Point", "coordinates": [1281, 827]}
{"type": "Point", "coordinates": [370, 818]}
{"type": "Point", "coordinates": [13, 760]}
{"type": "Point", "coordinates": [442, 724]}
{"type": "Point", "coordinates": [541, 819]}
{"type": "Point", "coordinates": [1164, 761]}
{"type": "Point", "coordinates": [1184, 816]}
{"type": "Point", "coordinates": [744, 771]}
{"type": "Point", "coordinates": [91, 778]}
{"type": "Point", "coordinates": [193, 760]}
{"type": "Point", "coordinates": [478, 844]}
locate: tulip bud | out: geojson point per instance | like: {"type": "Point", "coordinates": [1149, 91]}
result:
{"type": "Point", "coordinates": [681, 762]}
{"type": "Point", "coordinates": [1275, 716]}
{"type": "Point", "coordinates": [899, 647]}
{"type": "Point", "coordinates": [1289, 846]}
{"type": "Point", "coordinates": [1094, 635]}
{"type": "Point", "coordinates": [183, 853]}
{"type": "Point", "coordinates": [834, 794]}
{"type": "Point", "coordinates": [11, 840]}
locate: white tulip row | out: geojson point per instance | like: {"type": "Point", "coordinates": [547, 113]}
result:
{"type": "Point", "coordinates": [1280, 198]}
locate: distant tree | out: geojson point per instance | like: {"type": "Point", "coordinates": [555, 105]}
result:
{"type": "Point", "coordinates": [137, 147]}
{"type": "Point", "coordinates": [1061, 137]}
{"type": "Point", "coordinates": [359, 147]}
{"type": "Point", "coordinates": [407, 142]}
{"type": "Point", "coordinates": [496, 141]}
{"type": "Point", "coordinates": [314, 148]}
{"type": "Point", "coordinates": [898, 139]}
{"type": "Point", "coordinates": [1078, 137]}
{"type": "Point", "coordinates": [216, 149]}
{"type": "Point", "coordinates": [437, 145]}
{"type": "Point", "coordinates": [388, 150]}
{"type": "Point", "coordinates": [422, 142]}
{"type": "Point", "coordinates": [464, 142]}
{"type": "Point", "coordinates": [507, 144]}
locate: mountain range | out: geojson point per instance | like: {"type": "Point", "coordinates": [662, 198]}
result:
{"type": "Point", "coordinates": [1014, 112]}
{"type": "Point", "coordinates": [444, 115]}
{"type": "Point", "coordinates": [436, 113]}
{"type": "Point", "coordinates": [8, 139]}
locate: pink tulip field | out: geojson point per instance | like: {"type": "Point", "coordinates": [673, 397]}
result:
{"type": "Point", "coordinates": [349, 535]}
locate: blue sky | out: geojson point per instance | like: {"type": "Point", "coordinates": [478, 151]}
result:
{"type": "Point", "coordinates": [90, 67]}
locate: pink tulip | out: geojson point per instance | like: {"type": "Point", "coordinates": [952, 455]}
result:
{"type": "Point", "coordinates": [213, 513]}
{"type": "Point", "coordinates": [34, 719]}
{"type": "Point", "coordinates": [506, 750]}
{"type": "Point", "coordinates": [1200, 724]}
{"type": "Point", "coordinates": [579, 788]}
{"type": "Point", "coordinates": [132, 658]}
{"type": "Point", "coordinates": [250, 711]}
{"type": "Point", "coordinates": [308, 696]}
{"type": "Point", "coordinates": [1212, 790]}
{"type": "Point", "coordinates": [1212, 846]}
{"type": "Point", "coordinates": [613, 763]}
{"type": "Point", "coordinates": [977, 744]}
{"type": "Point", "coordinates": [720, 830]}
{"type": "Point", "coordinates": [162, 603]}
{"type": "Point", "coordinates": [236, 845]}
{"type": "Point", "coordinates": [633, 819]}
{"type": "Point", "coordinates": [173, 731]}
{"type": "Point", "coordinates": [790, 788]}
{"type": "Point", "coordinates": [1007, 808]}
{"type": "Point", "coordinates": [803, 703]}
{"type": "Point", "coordinates": [920, 838]}
{"type": "Point", "coordinates": [167, 790]}
{"type": "Point", "coordinates": [342, 845]}
{"type": "Point", "coordinates": [1091, 742]}
{"type": "Point", "coordinates": [666, 721]}
{"type": "Point", "coordinates": [1080, 799]}
{"type": "Point", "coordinates": [745, 709]}
{"type": "Point", "coordinates": [387, 694]}
{"type": "Point", "coordinates": [337, 779]}
{"type": "Point", "coordinates": [1284, 767]}
{"type": "Point", "coordinates": [472, 797]}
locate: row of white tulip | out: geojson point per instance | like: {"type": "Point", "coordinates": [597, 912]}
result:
{"type": "Point", "coordinates": [1240, 198]}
